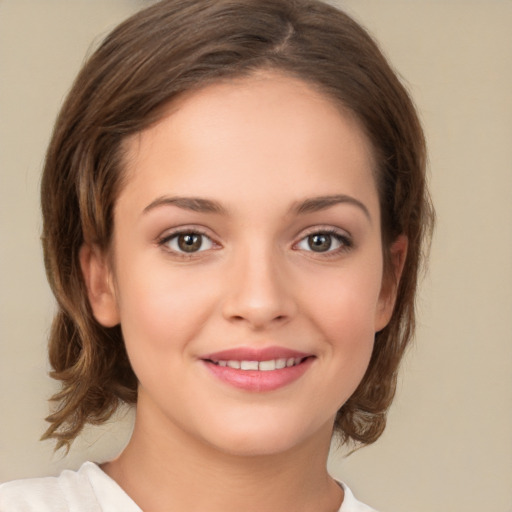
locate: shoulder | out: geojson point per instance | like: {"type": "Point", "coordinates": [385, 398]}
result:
{"type": "Point", "coordinates": [88, 489]}
{"type": "Point", "coordinates": [44, 494]}
{"type": "Point", "coordinates": [351, 504]}
{"type": "Point", "coordinates": [65, 493]}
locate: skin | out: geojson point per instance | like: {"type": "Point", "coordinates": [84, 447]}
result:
{"type": "Point", "coordinates": [259, 147]}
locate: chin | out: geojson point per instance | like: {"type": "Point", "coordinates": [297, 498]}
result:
{"type": "Point", "coordinates": [266, 438]}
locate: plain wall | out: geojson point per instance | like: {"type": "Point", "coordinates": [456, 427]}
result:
{"type": "Point", "coordinates": [448, 445]}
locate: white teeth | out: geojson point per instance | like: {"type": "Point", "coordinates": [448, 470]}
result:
{"type": "Point", "coordinates": [267, 365]}
{"type": "Point", "coordinates": [248, 365]}
{"type": "Point", "coordinates": [264, 366]}
{"type": "Point", "coordinates": [280, 363]}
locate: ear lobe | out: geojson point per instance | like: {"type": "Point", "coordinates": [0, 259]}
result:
{"type": "Point", "coordinates": [389, 290]}
{"type": "Point", "coordinates": [100, 287]}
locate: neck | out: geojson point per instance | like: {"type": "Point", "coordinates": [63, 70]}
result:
{"type": "Point", "coordinates": [170, 470]}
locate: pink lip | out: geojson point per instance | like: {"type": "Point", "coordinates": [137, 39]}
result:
{"type": "Point", "coordinates": [257, 380]}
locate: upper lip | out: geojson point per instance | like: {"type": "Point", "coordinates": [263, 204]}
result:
{"type": "Point", "coordinates": [254, 354]}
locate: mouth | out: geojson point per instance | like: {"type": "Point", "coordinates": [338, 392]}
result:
{"type": "Point", "coordinates": [261, 366]}
{"type": "Point", "coordinates": [258, 370]}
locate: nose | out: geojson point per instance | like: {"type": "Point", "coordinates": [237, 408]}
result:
{"type": "Point", "coordinates": [259, 294]}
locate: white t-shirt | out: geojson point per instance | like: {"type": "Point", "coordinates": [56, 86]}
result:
{"type": "Point", "coordinates": [91, 490]}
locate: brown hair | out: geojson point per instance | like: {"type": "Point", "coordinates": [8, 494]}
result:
{"type": "Point", "coordinates": [180, 45]}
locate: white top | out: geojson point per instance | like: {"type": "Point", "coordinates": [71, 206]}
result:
{"type": "Point", "coordinates": [91, 490]}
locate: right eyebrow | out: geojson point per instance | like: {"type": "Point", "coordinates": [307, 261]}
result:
{"type": "Point", "coordinates": [196, 204]}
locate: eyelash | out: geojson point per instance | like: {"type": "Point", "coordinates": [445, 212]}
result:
{"type": "Point", "coordinates": [344, 240]}
{"type": "Point", "coordinates": [166, 239]}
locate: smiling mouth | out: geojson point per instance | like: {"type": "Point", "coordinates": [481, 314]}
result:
{"type": "Point", "coordinates": [258, 369]}
{"type": "Point", "coordinates": [262, 366]}
{"type": "Point", "coordinates": [258, 374]}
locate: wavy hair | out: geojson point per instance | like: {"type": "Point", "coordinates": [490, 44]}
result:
{"type": "Point", "coordinates": [175, 46]}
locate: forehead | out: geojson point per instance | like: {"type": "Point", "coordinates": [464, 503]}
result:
{"type": "Point", "coordinates": [247, 130]}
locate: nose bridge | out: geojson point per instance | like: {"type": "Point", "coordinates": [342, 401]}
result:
{"type": "Point", "coordinates": [258, 290]}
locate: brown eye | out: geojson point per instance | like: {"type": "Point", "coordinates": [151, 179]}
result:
{"type": "Point", "coordinates": [319, 242]}
{"type": "Point", "coordinates": [325, 242]}
{"type": "Point", "coordinates": [188, 242]}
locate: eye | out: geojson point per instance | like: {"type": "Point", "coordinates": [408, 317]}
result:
{"type": "Point", "coordinates": [188, 242]}
{"type": "Point", "coordinates": [324, 241]}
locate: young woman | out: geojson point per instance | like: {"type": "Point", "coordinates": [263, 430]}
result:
{"type": "Point", "coordinates": [234, 213]}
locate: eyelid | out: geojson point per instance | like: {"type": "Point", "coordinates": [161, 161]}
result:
{"type": "Point", "coordinates": [341, 235]}
{"type": "Point", "coordinates": [163, 240]}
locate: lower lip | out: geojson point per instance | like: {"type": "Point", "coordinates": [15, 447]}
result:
{"type": "Point", "coordinates": [256, 380]}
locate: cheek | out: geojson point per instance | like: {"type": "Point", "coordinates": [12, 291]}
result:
{"type": "Point", "coordinates": [159, 308]}
{"type": "Point", "coordinates": [343, 308]}
{"type": "Point", "coordinates": [346, 301]}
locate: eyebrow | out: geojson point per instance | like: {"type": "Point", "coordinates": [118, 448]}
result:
{"type": "Point", "coordinates": [316, 204]}
{"type": "Point", "coordinates": [310, 205]}
{"type": "Point", "coordinates": [195, 204]}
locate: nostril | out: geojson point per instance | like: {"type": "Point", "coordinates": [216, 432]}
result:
{"type": "Point", "coordinates": [257, 308]}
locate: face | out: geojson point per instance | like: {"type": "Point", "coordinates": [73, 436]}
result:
{"type": "Point", "coordinates": [246, 268]}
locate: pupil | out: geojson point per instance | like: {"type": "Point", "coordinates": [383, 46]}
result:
{"type": "Point", "coordinates": [189, 242]}
{"type": "Point", "coordinates": [320, 242]}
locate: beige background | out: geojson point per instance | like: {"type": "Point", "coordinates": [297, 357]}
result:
{"type": "Point", "coordinates": [448, 446]}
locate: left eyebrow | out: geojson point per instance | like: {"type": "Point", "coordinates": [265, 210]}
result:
{"type": "Point", "coordinates": [315, 204]}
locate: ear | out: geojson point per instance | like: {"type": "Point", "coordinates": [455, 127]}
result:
{"type": "Point", "coordinates": [100, 285]}
{"type": "Point", "coordinates": [389, 289]}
